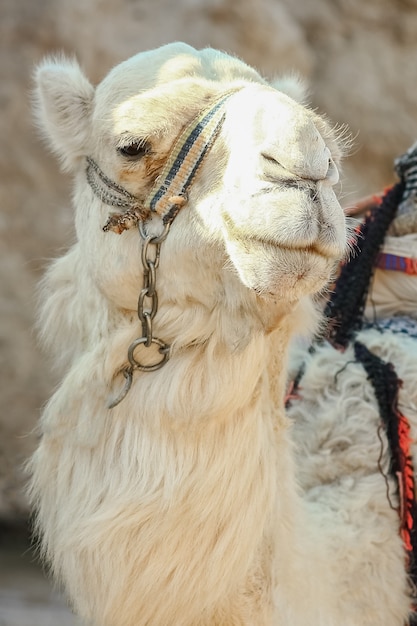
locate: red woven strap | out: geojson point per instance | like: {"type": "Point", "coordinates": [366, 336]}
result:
{"type": "Point", "coordinates": [387, 261]}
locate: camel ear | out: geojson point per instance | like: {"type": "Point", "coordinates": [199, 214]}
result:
{"type": "Point", "coordinates": [294, 86]}
{"type": "Point", "coordinates": [62, 103]}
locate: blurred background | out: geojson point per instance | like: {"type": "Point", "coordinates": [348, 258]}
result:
{"type": "Point", "coordinates": [359, 59]}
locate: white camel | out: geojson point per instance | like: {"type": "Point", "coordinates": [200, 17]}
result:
{"type": "Point", "coordinates": [170, 496]}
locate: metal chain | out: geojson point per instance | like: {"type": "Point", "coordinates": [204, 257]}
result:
{"type": "Point", "coordinates": [147, 309]}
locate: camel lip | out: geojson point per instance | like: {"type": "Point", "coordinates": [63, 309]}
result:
{"type": "Point", "coordinates": [237, 236]}
{"type": "Point", "coordinates": [312, 249]}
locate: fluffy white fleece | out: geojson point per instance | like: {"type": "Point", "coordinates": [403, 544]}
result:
{"type": "Point", "coordinates": [338, 433]}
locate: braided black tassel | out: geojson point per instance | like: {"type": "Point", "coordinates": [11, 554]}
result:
{"type": "Point", "coordinates": [386, 386]}
{"type": "Point", "coordinates": [346, 305]}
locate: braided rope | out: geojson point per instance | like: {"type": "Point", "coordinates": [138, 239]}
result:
{"type": "Point", "coordinates": [386, 385]}
{"type": "Point", "coordinates": [121, 197]}
{"type": "Point", "coordinates": [347, 303]}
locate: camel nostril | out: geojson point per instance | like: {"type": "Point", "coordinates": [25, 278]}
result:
{"type": "Point", "coordinates": [270, 159]}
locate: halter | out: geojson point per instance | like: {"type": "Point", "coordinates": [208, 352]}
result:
{"type": "Point", "coordinates": [165, 199]}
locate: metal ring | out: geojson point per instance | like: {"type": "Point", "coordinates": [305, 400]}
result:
{"type": "Point", "coordinates": [141, 227]}
{"type": "Point", "coordinates": [163, 350]}
{"type": "Point", "coordinates": [162, 236]}
{"type": "Point", "coordinates": [159, 239]}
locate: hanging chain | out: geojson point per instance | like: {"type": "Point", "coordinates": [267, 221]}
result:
{"type": "Point", "coordinates": [167, 196]}
{"type": "Point", "coordinates": [148, 299]}
{"type": "Point", "coordinates": [147, 309]}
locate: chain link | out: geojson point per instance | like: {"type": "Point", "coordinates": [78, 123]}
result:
{"type": "Point", "coordinates": [146, 309]}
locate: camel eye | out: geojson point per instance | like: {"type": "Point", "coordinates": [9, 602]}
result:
{"type": "Point", "coordinates": [135, 150]}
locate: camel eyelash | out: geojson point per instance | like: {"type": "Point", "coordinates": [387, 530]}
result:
{"type": "Point", "coordinates": [135, 149]}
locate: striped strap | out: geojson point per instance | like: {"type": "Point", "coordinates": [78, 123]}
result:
{"type": "Point", "coordinates": [187, 154]}
{"type": "Point", "coordinates": [167, 197]}
{"type": "Point", "coordinates": [396, 263]}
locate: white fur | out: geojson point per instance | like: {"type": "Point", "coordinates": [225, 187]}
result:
{"type": "Point", "coordinates": [180, 506]}
{"type": "Point", "coordinates": [63, 98]}
{"type": "Point", "coordinates": [294, 86]}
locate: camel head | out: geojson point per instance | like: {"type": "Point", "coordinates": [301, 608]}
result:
{"type": "Point", "coordinates": [261, 221]}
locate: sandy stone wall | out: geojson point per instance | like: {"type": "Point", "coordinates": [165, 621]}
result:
{"type": "Point", "coordinates": [358, 58]}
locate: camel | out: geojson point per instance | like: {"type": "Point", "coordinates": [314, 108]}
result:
{"type": "Point", "coordinates": [167, 484]}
